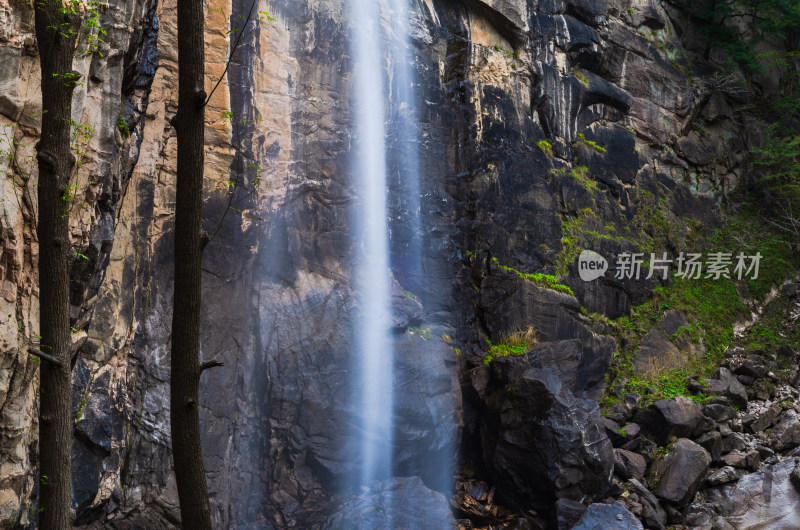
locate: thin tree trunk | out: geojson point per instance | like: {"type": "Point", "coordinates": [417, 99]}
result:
{"type": "Point", "coordinates": [55, 160]}
{"type": "Point", "coordinates": [185, 373]}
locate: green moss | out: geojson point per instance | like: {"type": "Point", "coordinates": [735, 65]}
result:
{"type": "Point", "coordinates": [770, 331]}
{"type": "Point", "coordinates": [82, 406]}
{"type": "Point", "coordinates": [654, 222]}
{"type": "Point", "coordinates": [424, 333]}
{"type": "Point", "coordinates": [581, 77]}
{"type": "Point", "coordinates": [580, 231]}
{"type": "Point", "coordinates": [581, 175]}
{"type": "Point", "coordinates": [515, 344]}
{"type": "Point", "coordinates": [543, 280]}
{"type": "Point", "coordinates": [546, 147]}
{"type": "Point", "coordinates": [590, 144]}
{"type": "Point", "coordinates": [653, 388]}
{"type": "Point", "coordinates": [84, 398]}
{"type": "Point", "coordinates": [713, 305]}
{"type": "Point", "coordinates": [503, 350]}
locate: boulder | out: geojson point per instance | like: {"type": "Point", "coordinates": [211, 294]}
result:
{"type": "Point", "coordinates": [766, 419]}
{"type": "Point", "coordinates": [747, 420]}
{"type": "Point", "coordinates": [568, 512]}
{"type": "Point", "coordinates": [619, 413]}
{"type": "Point", "coordinates": [680, 473]}
{"type": "Point", "coordinates": [764, 451]}
{"type": "Point", "coordinates": [632, 401]}
{"type": "Point", "coordinates": [786, 434]}
{"type": "Point", "coordinates": [711, 442]}
{"type": "Point", "coordinates": [653, 515]}
{"type": "Point", "coordinates": [612, 430]}
{"type": "Point", "coordinates": [735, 459]}
{"type": "Point", "coordinates": [397, 503]}
{"type": "Point", "coordinates": [751, 368]}
{"type": "Point", "coordinates": [672, 321]}
{"type": "Point", "coordinates": [726, 384]}
{"type": "Point", "coordinates": [725, 475]}
{"type": "Point", "coordinates": [733, 442]}
{"type": "Point", "coordinates": [540, 442]}
{"type": "Point", "coordinates": [657, 353]}
{"type": "Point", "coordinates": [753, 459]}
{"type": "Point", "coordinates": [604, 516]}
{"type": "Point", "coordinates": [628, 464]}
{"type": "Point", "coordinates": [632, 430]}
{"type": "Point", "coordinates": [718, 412]}
{"type": "Point", "coordinates": [509, 303]}
{"type": "Point", "coordinates": [678, 416]}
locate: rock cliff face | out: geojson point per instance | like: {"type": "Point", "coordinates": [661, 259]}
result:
{"type": "Point", "coordinates": [534, 118]}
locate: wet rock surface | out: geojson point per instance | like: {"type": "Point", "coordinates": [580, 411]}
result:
{"type": "Point", "coordinates": [403, 503]}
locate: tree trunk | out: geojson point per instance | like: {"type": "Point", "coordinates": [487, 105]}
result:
{"type": "Point", "coordinates": [185, 365]}
{"type": "Point", "coordinates": [55, 160]}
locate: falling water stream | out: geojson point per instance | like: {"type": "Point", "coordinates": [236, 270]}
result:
{"type": "Point", "coordinates": [373, 48]}
{"type": "Point", "coordinates": [374, 345]}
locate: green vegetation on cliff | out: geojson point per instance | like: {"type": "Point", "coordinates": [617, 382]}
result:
{"type": "Point", "coordinates": [712, 307]}
{"type": "Point", "coordinates": [547, 281]}
{"type": "Point", "coordinates": [515, 344]}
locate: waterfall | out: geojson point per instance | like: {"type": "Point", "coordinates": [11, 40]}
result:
{"type": "Point", "coordinates": [374, 354]}
{"type": "Point", "coordinates": [388, 231]}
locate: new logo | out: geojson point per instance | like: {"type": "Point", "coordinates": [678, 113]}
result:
{"type": "Point", "coordinates": [591, 265]}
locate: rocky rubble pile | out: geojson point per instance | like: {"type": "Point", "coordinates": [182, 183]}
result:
{"type": "Point", "coordinates": [725, 457]}
{"type": "Point", "coordinates": [709, 463]}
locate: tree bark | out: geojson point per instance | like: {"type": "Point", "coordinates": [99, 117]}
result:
{"type": "Point", "coordinates": [55, 161]}
{"type": "Point", "coordinates": [185, 363]}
